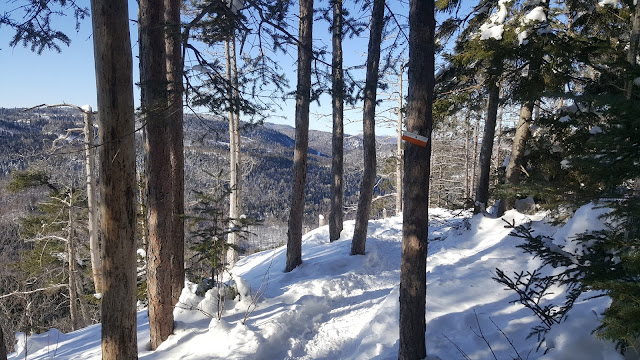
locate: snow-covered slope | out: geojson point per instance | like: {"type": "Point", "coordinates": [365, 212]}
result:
{"type": "Point", "coordinates": [336, 306]}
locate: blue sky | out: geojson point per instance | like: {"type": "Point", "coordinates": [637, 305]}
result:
{"type": "Point", "coordinates": [29, 79]}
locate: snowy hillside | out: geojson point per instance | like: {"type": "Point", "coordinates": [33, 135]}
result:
{"type": "Point", "coordinates": [337, 306]}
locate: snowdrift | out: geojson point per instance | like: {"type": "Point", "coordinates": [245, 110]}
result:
{"type": "Point", "coordinates": [336, 306]}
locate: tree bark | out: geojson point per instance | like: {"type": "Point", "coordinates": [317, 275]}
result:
{"type": "Point", "coordinates": [174, 69]}
{"type": "Point", "coordinates": [399, 156]}
{"type": "Point", "coordinates": [303, 98]}
{"type": "Point", "coordinates": [114, 80]}
{"type": "Point", "coordinates": [336, 213]}
{"type": "Point", "coordinates": [413, 281]}
{"type": "Point", "coordinates": [234, 149]}
{"type": "Point", "coordinates": [466, 157]}
{"type": "Point", "coordinates": [153, 91]}
{"type": "Point", "coordinates": [369, 130]}
{"type": "Point", "coordinates": [486, 149]}
{"type": "Point", "coordinates": [518, 148]}
{"type": "Point", "coordinates": [71, 254]}
{"type": "Point", "coordinates": [90, 165]}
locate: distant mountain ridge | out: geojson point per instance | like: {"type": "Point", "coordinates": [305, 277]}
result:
{"type": "Point", "coordinates": [267, 157]}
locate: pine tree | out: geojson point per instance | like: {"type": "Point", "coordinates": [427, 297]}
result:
{"type": "Point", "coordinates": [336, 213]}
{"type": "Point", "coordinates": [587, 150]}
{"type": "Point", "coordinates": [303, 99]}
{"type": "Point", "coordinates": [369, 135]}
{"type": "Point", "coordinates": [413, 282]}
{"type": "Point", "coordinates": [175, 92]}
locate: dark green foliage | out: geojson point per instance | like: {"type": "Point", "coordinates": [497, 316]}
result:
{"type": "Point", "coordinates": [210, 226]}
{"type": "Point", "coordinates": [33, 26]}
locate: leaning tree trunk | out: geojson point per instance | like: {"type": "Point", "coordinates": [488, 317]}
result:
{"type": "Point", "coordinates": [518, 149]}
{"type": "Point", "coordinates": [336, 214]}
{"type": "Point", "coordinates": [482, 190]}
{"type": "Point", "coordinates": [303, 98]}
{"type": "Point", "coordinates": [174, 66]}
{"type": "Point", "coordinates": [153, 98]}
{"type": "Point", "coordinates": [114, 80]}
{"type": "Point", "coordinates": [358, 243]}
{"type": "Point", "coordinates": [516, 161]}
{"type": "Point", "coordinates": [413, 268]}
{"type": "Point", "coordinates": [90, 165]}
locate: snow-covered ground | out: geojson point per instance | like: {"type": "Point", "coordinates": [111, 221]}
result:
{"type": "Point", "coordinates": [336, 306]}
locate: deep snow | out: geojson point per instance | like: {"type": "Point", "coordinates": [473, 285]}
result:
{"type": "Point", "coordinates": [336, 306]}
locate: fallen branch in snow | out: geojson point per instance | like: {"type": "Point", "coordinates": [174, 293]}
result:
{"type": "Point", "coordinates": [193, 308]}
{"type": "Point", "coordinates": [33, 291]}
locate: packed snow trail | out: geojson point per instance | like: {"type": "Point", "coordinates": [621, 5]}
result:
{"type": "Point", "coordinates": [337, 306]}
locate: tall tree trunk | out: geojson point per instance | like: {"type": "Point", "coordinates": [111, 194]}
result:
{"type": "Point", "coordinates": [466, 157]}
{"type": "Point", "coordinates": [516, 161]}
{"type": "Point", "coordinates": [174, 70]}
{"type": "Point", "coordinates": [413, 267]}
{"type": "Point", "coordinates": [369, 130]}
{"type": "Point", "coordinates": [336, 214]}
{"type": "Point", "coordinates": [234, 151]}
{"type": "Point", "coordinates": [153, 91]}
{"type": "Point", "coordinates": [482, 190]}
{"type": "Point", "coordinates": [303, 98]}
{"type": "Point", "coordinates": [90, 165]}
{"type": "Point", "coordinates": [399, 146]}
{"type": "Point", "coordinates": [71, 254]}
{"type": "Point", "coordinates": [476, 135]}
{"type": "Point", "coordinates": [114, 79]}
{"type": "Point", "coordinates": [237, 142]}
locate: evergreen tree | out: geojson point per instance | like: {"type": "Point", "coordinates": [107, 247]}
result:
{"type": "Point", "coordinates": [303, 99]}
{"type": "Point", "coordinates": [368, 124]}
{"type": "Point", "coordinates": [588, 149]}
{"type": "Point", "coordinates": [413, 282]}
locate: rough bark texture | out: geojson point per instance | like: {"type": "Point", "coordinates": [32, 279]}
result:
{"type": "Point", "coordinates": [336, 214]}
{"type": "Point", "coordinates": [519, 143]}
{"type": "Point", "coordinates": [173, 41]}
{"type": "Point", "coordinates": [158, 169]}
{"type": "Point", "coordinates": [368, 128]}
{"type": "Point", "coordinates": [413, 268]}
{"type": "Point", "coordinates": [399, 156]}
{"type": "Point", "coordinates": [114, 80]}
{"type": "Point", "coordinates": [90, 165]}
{"type": "Point", "coordinates": [482, 190]}
{"type": "Point", "coordinates": [303, 94]}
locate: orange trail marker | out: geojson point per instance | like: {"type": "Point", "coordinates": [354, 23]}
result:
{"type": "Point", "coordinates": [415, 139]}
